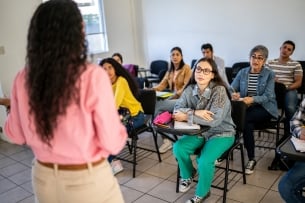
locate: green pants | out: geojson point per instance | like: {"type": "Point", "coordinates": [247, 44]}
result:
{"type": "Point", "coordinates": [211, 150]}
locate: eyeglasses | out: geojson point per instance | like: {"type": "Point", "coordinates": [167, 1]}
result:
{"type": "Point", "coordinates": [205, 71]}
{"type": "Point", "coordinates": [259, 58]}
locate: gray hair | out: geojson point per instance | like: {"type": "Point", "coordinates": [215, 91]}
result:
{"type": "Point", "coordinates": [260, 48]}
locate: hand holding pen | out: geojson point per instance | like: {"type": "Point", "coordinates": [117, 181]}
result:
{"type": "Point", "coordinates": [235, 95]}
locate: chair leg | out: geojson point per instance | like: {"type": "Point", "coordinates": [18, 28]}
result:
{"type": "Point", "coordinates": [155, 134]}
{"type": "Point", "coordinates": [243, 162]}
{"type": "Point", "coordinates": [178, 179]}
{"type": "Point", "coordinates": [225, 188]}
{"type": "Point", "coordinates": [134, 145]}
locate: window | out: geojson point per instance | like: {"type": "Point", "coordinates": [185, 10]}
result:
{"type": "Point", "coordinates": [93, 15]}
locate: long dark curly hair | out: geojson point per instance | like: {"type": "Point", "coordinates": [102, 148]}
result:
{"type": "Point", "coordinates": [56, 57]}
{"type": "Point", "coordinates": [121, 71]}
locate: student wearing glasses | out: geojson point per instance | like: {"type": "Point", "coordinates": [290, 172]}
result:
{"type": "Point", "coordinates": [207, 98]}
{"type": "Point", "coordinates": [255, 86]}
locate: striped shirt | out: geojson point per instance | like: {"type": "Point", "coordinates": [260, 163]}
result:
{"type": "Point", "coordinates": [252, 84]}
{"type": "Point", "coordinates": [285, 73]}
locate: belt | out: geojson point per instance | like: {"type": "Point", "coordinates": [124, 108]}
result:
{"type": "Point", "coordinates": [72, 167]}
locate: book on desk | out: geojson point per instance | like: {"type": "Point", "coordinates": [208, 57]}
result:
{"type": "Point", "coordinates": [185, 126]}
{"type": "Point", "coordinates": [164, 95]}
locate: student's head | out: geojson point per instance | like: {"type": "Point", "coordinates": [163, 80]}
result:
{"type": "Point", "coordinates": [115, 70]}
{"type": "Point", "coordinates": [118, 57]}
{"type": "Point", "coordinates": [176, 58]}
{"type": "Point", "coordinates": [258, 56]}
{"type": "Point", "coordinates": [207, 50]}
{"type": "Point", "coordinates": [205, 71]}
{"type": "Point", "coordinates": [287, 49]}
{"type": "Point", "coordinates": [55, 58]}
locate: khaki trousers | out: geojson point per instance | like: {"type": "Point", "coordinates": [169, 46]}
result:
{"type": "Point", "coordinates": [93, 185]}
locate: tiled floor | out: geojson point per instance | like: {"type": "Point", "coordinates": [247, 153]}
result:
{"type": "Point", "coordinates": [154, 182]}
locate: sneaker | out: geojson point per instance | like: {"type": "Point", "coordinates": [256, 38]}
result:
{"type": "Point", "coordinates": [116, 166]}
{"type": "Point", "coordinates": [250, 167]}
{"type": "Point", "coordinates": [185, 184]}
{"type": "Point", "coordinates": [197, 199]}
{"type": "Point", "coordinates": [167, 145]}
{"type": "Point", "coordinates": [218, 162]}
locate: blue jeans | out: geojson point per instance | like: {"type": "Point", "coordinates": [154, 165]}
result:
{"type": "Point", "coordinates": [291, 184]}
{"type": "Point", "coordinates": [254, 115]}
{"type": "Point", "coordinates": [291, 102]}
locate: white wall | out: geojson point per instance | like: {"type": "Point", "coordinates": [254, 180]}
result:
{"type": "Point", "coordinates": [233, 27]}
{"type": "Point", "coordinates": [145, 30]}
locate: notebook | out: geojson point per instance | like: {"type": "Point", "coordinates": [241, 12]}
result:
{"type": "Point", "coordinates": [164, 95]}
{"type": "Point", "coordinates": [185, 125]}
{"type": "Point", "coordinates": [298, 144]}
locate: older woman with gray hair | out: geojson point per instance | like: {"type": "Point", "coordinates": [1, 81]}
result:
{"type": "Point", "coordinates": [254, 85]}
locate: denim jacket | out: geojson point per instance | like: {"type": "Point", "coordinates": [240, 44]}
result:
{"type": "Point", "coordinates": [214, 99]}
{"type": "Point", "coordinates": [265, 95]}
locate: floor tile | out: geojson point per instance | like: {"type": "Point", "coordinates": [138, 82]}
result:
{"type": "Point", "coordinates": [15, 195]}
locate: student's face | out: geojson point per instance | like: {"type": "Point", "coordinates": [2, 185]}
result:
{"type": "Point", "coordinates": [117, 59]}
{"type": "Point", "coordinates": [286, 50]}
{"type": "Point", "coordinates": [203, 73]}
{"type": "Point", "coordinates": [176, 57]}
{"type": "Point", "coordinates": [110, 71]}
{"type": "Point", "coordinates": [207, 53]}
{"type": "Point", "coordinates": [257, 61]}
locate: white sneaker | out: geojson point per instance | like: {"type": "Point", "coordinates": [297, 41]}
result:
{"type": "Point", "coordinates": [167, 145]}
{"type": "Point", "coordinates": [218, 162]}
{"type": "Point", "coordinates": [116, 166]}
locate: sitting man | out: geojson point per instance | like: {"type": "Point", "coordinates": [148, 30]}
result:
{"type": "Point", "coordinates": [290, 73]}
{"type": "Point", "coordinates": [292, 183]}
{"type": "Point", "coordinates": [207, 52]}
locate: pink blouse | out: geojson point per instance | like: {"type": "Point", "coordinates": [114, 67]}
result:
{"type": "Point", "coordinates": [86, 132]}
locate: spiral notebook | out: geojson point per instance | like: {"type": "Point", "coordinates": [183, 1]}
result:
{"type": "Point", "coordinates": [185, 125]}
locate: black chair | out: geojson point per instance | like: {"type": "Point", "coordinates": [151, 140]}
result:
{"type": "Point", "coordinates": [158, 69]}
{"type": "Point", "coordinates": [266, 140]}
{"type": "Point", "coordinates": [237, 66]}
{"type": "Point", "coordinates": [238, 115]}
{"type": "Point", "coordinates": [148, 102]}
{"type": "Point", "coordinates": [193, 63]}
{"type": "Point", "coordinates": [229, 74]}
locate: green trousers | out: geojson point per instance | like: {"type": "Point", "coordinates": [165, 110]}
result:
{"type": "Point", "coordinates": [211, 150]}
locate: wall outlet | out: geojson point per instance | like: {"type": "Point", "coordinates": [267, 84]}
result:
{"type": "Point", "coordinates": [2, 50]}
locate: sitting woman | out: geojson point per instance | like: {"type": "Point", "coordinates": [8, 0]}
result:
{"type": "Point", "coordinates": [126, 92]}
{"type": "Point", "coordinates": [207, 98]}
{"type": "Point", "coordinates": [175, 81]}
{"type": "Point", "coordinates": [255, 86]}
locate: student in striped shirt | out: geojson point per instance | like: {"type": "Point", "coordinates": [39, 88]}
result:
{"type": "Point", "coordinates": [255, 86]}
{"type": "Point", "coordinates": [290, 73]}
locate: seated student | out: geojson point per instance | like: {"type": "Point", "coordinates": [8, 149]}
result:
{"type": "Point", "coordinates": [125, 94]}
{"type": "Point", "coordinates": [292, 183]}
{"type": "Point", "coordinates": [174, 80]}
{"type": "Point", "coordinates": [118, 57]}
{"type": "Point", "coordinates": [255, 86]}
{"type": "Point", "coordinates": [208, 52]}
{"type": "Point", "coordinates": [207, 97]}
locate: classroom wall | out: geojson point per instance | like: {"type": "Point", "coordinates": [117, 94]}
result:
{"type": "Point", "coordinates": [233, 27]}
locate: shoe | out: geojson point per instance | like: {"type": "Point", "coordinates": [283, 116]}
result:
{"type": "Point", "coordinates": [218, 162]}
{"type": "Point", "coordinates": [167, 145]}
{"type": "Point", "coordinates": [185, 184]}
{"type": "Point", "coordinates": [116, 166]}
{"type": "Point", "coordinates": [250, 167]}
{"type": "Point", "coordinates": [197, 199]}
